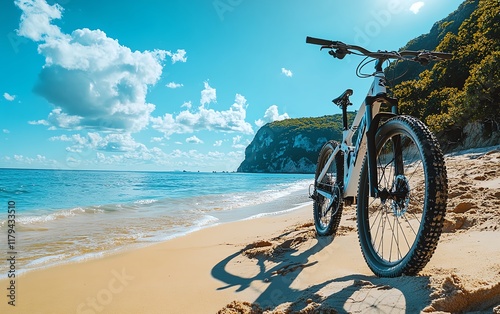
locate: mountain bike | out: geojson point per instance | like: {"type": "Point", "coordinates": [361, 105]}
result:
{"type": "Point", "coordinates": [394, 171]}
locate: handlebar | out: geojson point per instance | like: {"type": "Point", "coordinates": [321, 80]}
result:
{"type": "Point", "coordinates": [339, 50]}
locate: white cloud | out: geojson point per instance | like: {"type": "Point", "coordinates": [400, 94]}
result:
{"type": "Point", "coordinates": [156, 139]}
{"type": "Point", "coordinates": [213, 160]}
{"type": "Point", "coordinates": [415, 7]}
{"type": "Point", "coordinates": [236, 139]}
{"type": "Point", "coordinates": [175, 159]}
{"type": "Point", "coordinates": [231, 120]}
{"type": "Point", "coordinates": [38, 160]}
{"type": "Point", "coordinates": [36, 17]}
{"type": "Point", "coordinates": [176, 153]}
{"type": "Point", "coordinates": [237, 155]}
{"type": "Point", "coordinates": [216, 155]}
{"type": "Point", "coordinates": [237, 143]}
{"type": "Point", "coordinates": [179, 56]}
{"type": "Point", "coordinates": [142, 156]}
{"type": "Point", "coordinates": [192, 154]}
{"type": "Point", "coordinates": [194, 140]}
{"type": "Point", "coordinates": [39, 122]}
{"type": "Point", "coordinates": [187, 104]}
{"type": "Point", "coordinates": [208, 95]}
{"type": "Point", "coordinates": [9, 97]}
{"type": "Point", "coordinates": [174, 85]}
{"type": "Point", "coordinates": [218, 143]}
{"type": "Point", "coordinates": [63, 138]}
{"type": "Point", "coordinates": [93, 81]}
{"type": "Point", "coordinates": [271, 115]}
{"type": "Point", "coordinates": [63, 120]}
{"type": "Point", "coordinates": [286, 72]}
{"type": "Point", "coordinates": [115, 142]}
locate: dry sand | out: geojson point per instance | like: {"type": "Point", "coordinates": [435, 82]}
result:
{"type": "Point", "coordinates": [276, 265]}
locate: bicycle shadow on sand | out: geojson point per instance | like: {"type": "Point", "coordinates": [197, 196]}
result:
{"type": "Point", "coordinates": [285, 262]}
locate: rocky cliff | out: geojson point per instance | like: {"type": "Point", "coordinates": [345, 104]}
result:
{"type": "Point", "coordinates": [292, 145]}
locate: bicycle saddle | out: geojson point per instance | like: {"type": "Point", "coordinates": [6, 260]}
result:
{"type": "Point", "coordinates": [344, 98]}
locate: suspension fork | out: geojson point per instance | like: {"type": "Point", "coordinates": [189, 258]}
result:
{"type": "Point", "coordinates": [398, 155]}
{"type": "Point", "coordinates": [398, 151]}
{"type": "Point", "coordinates": [372, 124]}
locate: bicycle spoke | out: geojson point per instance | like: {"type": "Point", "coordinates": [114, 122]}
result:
{"type": "Point", "coordinates": [418, 219]}
{"type": "Point", "coordinates": [393, 237]}
{"type": "Point", "coordinates": [376, 218]}
{"type": "Point", "coordinates": [410, 226]}
{"type": "Point", "coordinates": [382, 237]}
{"type": "Point", "coordinates": [396, 225]}
{"type": "Point", "coordinates": [379, 227]}
{"type": "Point", "coordinates": [383, 176]}
{"type": "Point", "coordinates": [414, 172]}
{"type": "Point", "coordinates": [392, 240]}
{"type": "Point", "coordinates": [404, 234]}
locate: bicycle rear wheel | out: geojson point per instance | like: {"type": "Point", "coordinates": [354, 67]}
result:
{"type": "Point", "coordinates": [399, 231]}
{"type": "Point", "coordinates": [327, 196]}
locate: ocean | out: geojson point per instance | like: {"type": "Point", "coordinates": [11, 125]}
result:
{"type": "Point", "coordinates": [67, 216]}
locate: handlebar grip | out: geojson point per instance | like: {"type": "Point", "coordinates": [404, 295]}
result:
{"type": "Point", "coordinates": [318, 41]}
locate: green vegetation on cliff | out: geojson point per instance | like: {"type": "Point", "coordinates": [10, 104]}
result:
{"type": "Point", "coordinates": [399, 72]}
{"type": "Point", "coordinates": [466, 88]}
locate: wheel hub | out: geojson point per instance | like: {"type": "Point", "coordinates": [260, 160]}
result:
{"type": "Point", "coordinates": [400, 192]}
{"type": "Point", "coordinates": [335, 202]}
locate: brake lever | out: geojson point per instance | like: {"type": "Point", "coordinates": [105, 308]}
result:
{"type": "Point", "coordinates": [339, 54]}
{"type": "Point", "coordinates": [421, 60]}
{"type": "Point", "coordinates": [425, 58]}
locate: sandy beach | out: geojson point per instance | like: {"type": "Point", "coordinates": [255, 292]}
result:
{"type": "Point", "coordinates": [275, 264]}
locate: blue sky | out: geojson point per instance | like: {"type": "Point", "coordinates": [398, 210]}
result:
{"type": "Point", "coordinates": [178, 85]}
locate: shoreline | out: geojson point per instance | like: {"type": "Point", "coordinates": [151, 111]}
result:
{"type": "Point", "coordinates": [137, 246]}
{"type": "Point", "coordinates": [79, 233]}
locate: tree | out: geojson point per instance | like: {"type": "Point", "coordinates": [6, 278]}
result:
{"type": "Point", "coordinates": [483, 89]}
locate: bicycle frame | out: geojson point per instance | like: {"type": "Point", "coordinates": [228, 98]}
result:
{"type": "Point", "coordinates": [384, 157]}
{"type": "Point", "coordinates": [366, 121]}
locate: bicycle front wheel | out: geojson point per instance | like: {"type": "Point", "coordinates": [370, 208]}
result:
{"type": "Point", "coordinates": [399, 231]}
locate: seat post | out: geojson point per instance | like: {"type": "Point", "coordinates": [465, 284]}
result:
{"type": "Point", "coordinates": [344, 115]}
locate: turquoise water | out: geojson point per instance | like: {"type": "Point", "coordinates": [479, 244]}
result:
{"type": "Point", "coordinates": [64, 216]}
